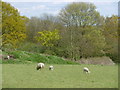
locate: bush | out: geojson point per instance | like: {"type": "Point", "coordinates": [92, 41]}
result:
{"type": "Point", "coordinates": [31, 47]}
{"type": "Point", "coordinates": [114, 57]}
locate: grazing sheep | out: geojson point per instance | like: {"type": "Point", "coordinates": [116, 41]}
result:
{"type": "Point", "coordinates": [51, 67]}
{"type": "Point", "coordinates": [40, 65]}
{"type": "Point", "coordinates": [85, 69]}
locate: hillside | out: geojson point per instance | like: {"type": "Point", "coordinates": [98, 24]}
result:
{"type": "Point", "coordinates": [23, 57]}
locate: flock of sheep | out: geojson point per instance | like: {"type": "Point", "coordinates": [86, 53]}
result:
{"type": "Point", "coordinates": [42, 65]}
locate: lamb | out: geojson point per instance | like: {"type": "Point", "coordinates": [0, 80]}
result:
{"type": "Point", "coordinates": [40, 65]}
{"type": "Point", "coordinates": [51, 67]}
{"type": "Point", "coordinates": [85, 69]}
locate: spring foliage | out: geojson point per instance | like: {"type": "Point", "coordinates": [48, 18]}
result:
{"type": "Point", "coordinates": [79, 31]}
{"type": "Point", "coordinates": [13, 26]}
{"type": "Point", "coordinates": [47, 38]}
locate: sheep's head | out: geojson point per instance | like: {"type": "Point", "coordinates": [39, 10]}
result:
{"type": "Point", "coordinates": [51, 68]}
{"type": "Point", "coordinates": [88, 71]}
{"type": "Point", "coordinates": [38, 68]}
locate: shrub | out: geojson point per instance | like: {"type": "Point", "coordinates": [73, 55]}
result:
{"type": "Point", "coordinates": [114, 57]}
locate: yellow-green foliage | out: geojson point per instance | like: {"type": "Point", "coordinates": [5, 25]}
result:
{"type": "Point", "coordinates": [13, 26]}
{"type": "Point", "coordinates": [47, 38]}
{"type": "Point", "coordinates": [96, 38]}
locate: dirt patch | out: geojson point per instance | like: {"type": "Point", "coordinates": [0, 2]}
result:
{"type": "Point", "coordinates": [97, 60]}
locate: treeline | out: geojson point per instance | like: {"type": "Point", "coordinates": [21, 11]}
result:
{"type": "Point", "coordinates": [78, 31]}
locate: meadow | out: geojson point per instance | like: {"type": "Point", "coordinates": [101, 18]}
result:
{"type": "Point", "coordinates": [0, 76]}
{"type": "Point", "coordinates": [78, 31]}
{"type": "Point", "coordinates": [63, 76]}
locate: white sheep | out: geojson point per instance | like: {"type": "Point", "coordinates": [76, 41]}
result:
{"type": "Point", "coordinates": [8, 57]}
{"type": "Point", "coordinates": [51, 67]}
{"type": "Point", "coordinates": [40, 65]}
{"type": "Point", "coordinates": [85, 69]}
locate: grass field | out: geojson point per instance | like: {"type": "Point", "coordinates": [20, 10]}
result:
{"type": "Point", "coordinates": [63, 76]}
{"type": "Point", "coordinates": [0, 76]}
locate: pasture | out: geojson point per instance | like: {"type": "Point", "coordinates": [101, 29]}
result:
{"type": "Point", "coordinates": [63, 76]}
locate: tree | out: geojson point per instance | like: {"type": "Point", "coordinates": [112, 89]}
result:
{"type": "Point", "coordinates": [33, 28]}
{"type": "Point", "coordinates": [44, 22]}
{"type": "Point", "coordinates": [13, 26]}
{"type": "Point", "coordinates": [47, 38]}
{"type": "Point", "coordinates": [82, 20]}
{"type": "Point", "coordinates": [110, 32]}
{"type": "Point", "coordinates": [94, 42]}
{"type": "Point", "coordinates": [0, 23]}
{"type": "Point", "coordinates": [80, 14]}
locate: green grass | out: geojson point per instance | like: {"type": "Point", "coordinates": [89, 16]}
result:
{"type": "Point", "coordinates": [0, 76]}
{"type": "Point", "coordinates": [63, 76]}
{"type": "Point", "coordinates": [23, 57]}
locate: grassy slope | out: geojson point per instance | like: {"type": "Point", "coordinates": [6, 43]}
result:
{"type": "Point", "coordinates": [63, 76]}
{"type": "Point", "coordinates": [23, 57]}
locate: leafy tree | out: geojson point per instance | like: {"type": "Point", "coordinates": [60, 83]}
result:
{"type": "Point", "coordinates": [82, 20]}
{"type": "Point", "coordinates": [94, 42]}
{"type": "Point", "coordinates": [91, 44]}
{"type": "Point", "coordinates": [13, 26]}
{"type": "Point", "coordinates": [44, 22]}
{"type": "Point", "coordinates": [80, 14]}
{"type": "Point", "coordinates": [47, 38]}
{"type": "Point", "coordinates": [0, 23]}
{"type": "Point", "coordinates": [32, 28]}
{"type": "Point", "coordinates": [111, 37]}
{"type": "Point", "coordinates": [110, 31]}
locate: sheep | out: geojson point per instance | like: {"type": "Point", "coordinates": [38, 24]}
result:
{"type": "Point", "coordinates": [8, 57]}
{"type": "Point", "coordinates": [40, 65]}
{"type": "Point", "coordinates": [51, 67]}
{"type": "Point", "coordinates": [85, 69]}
